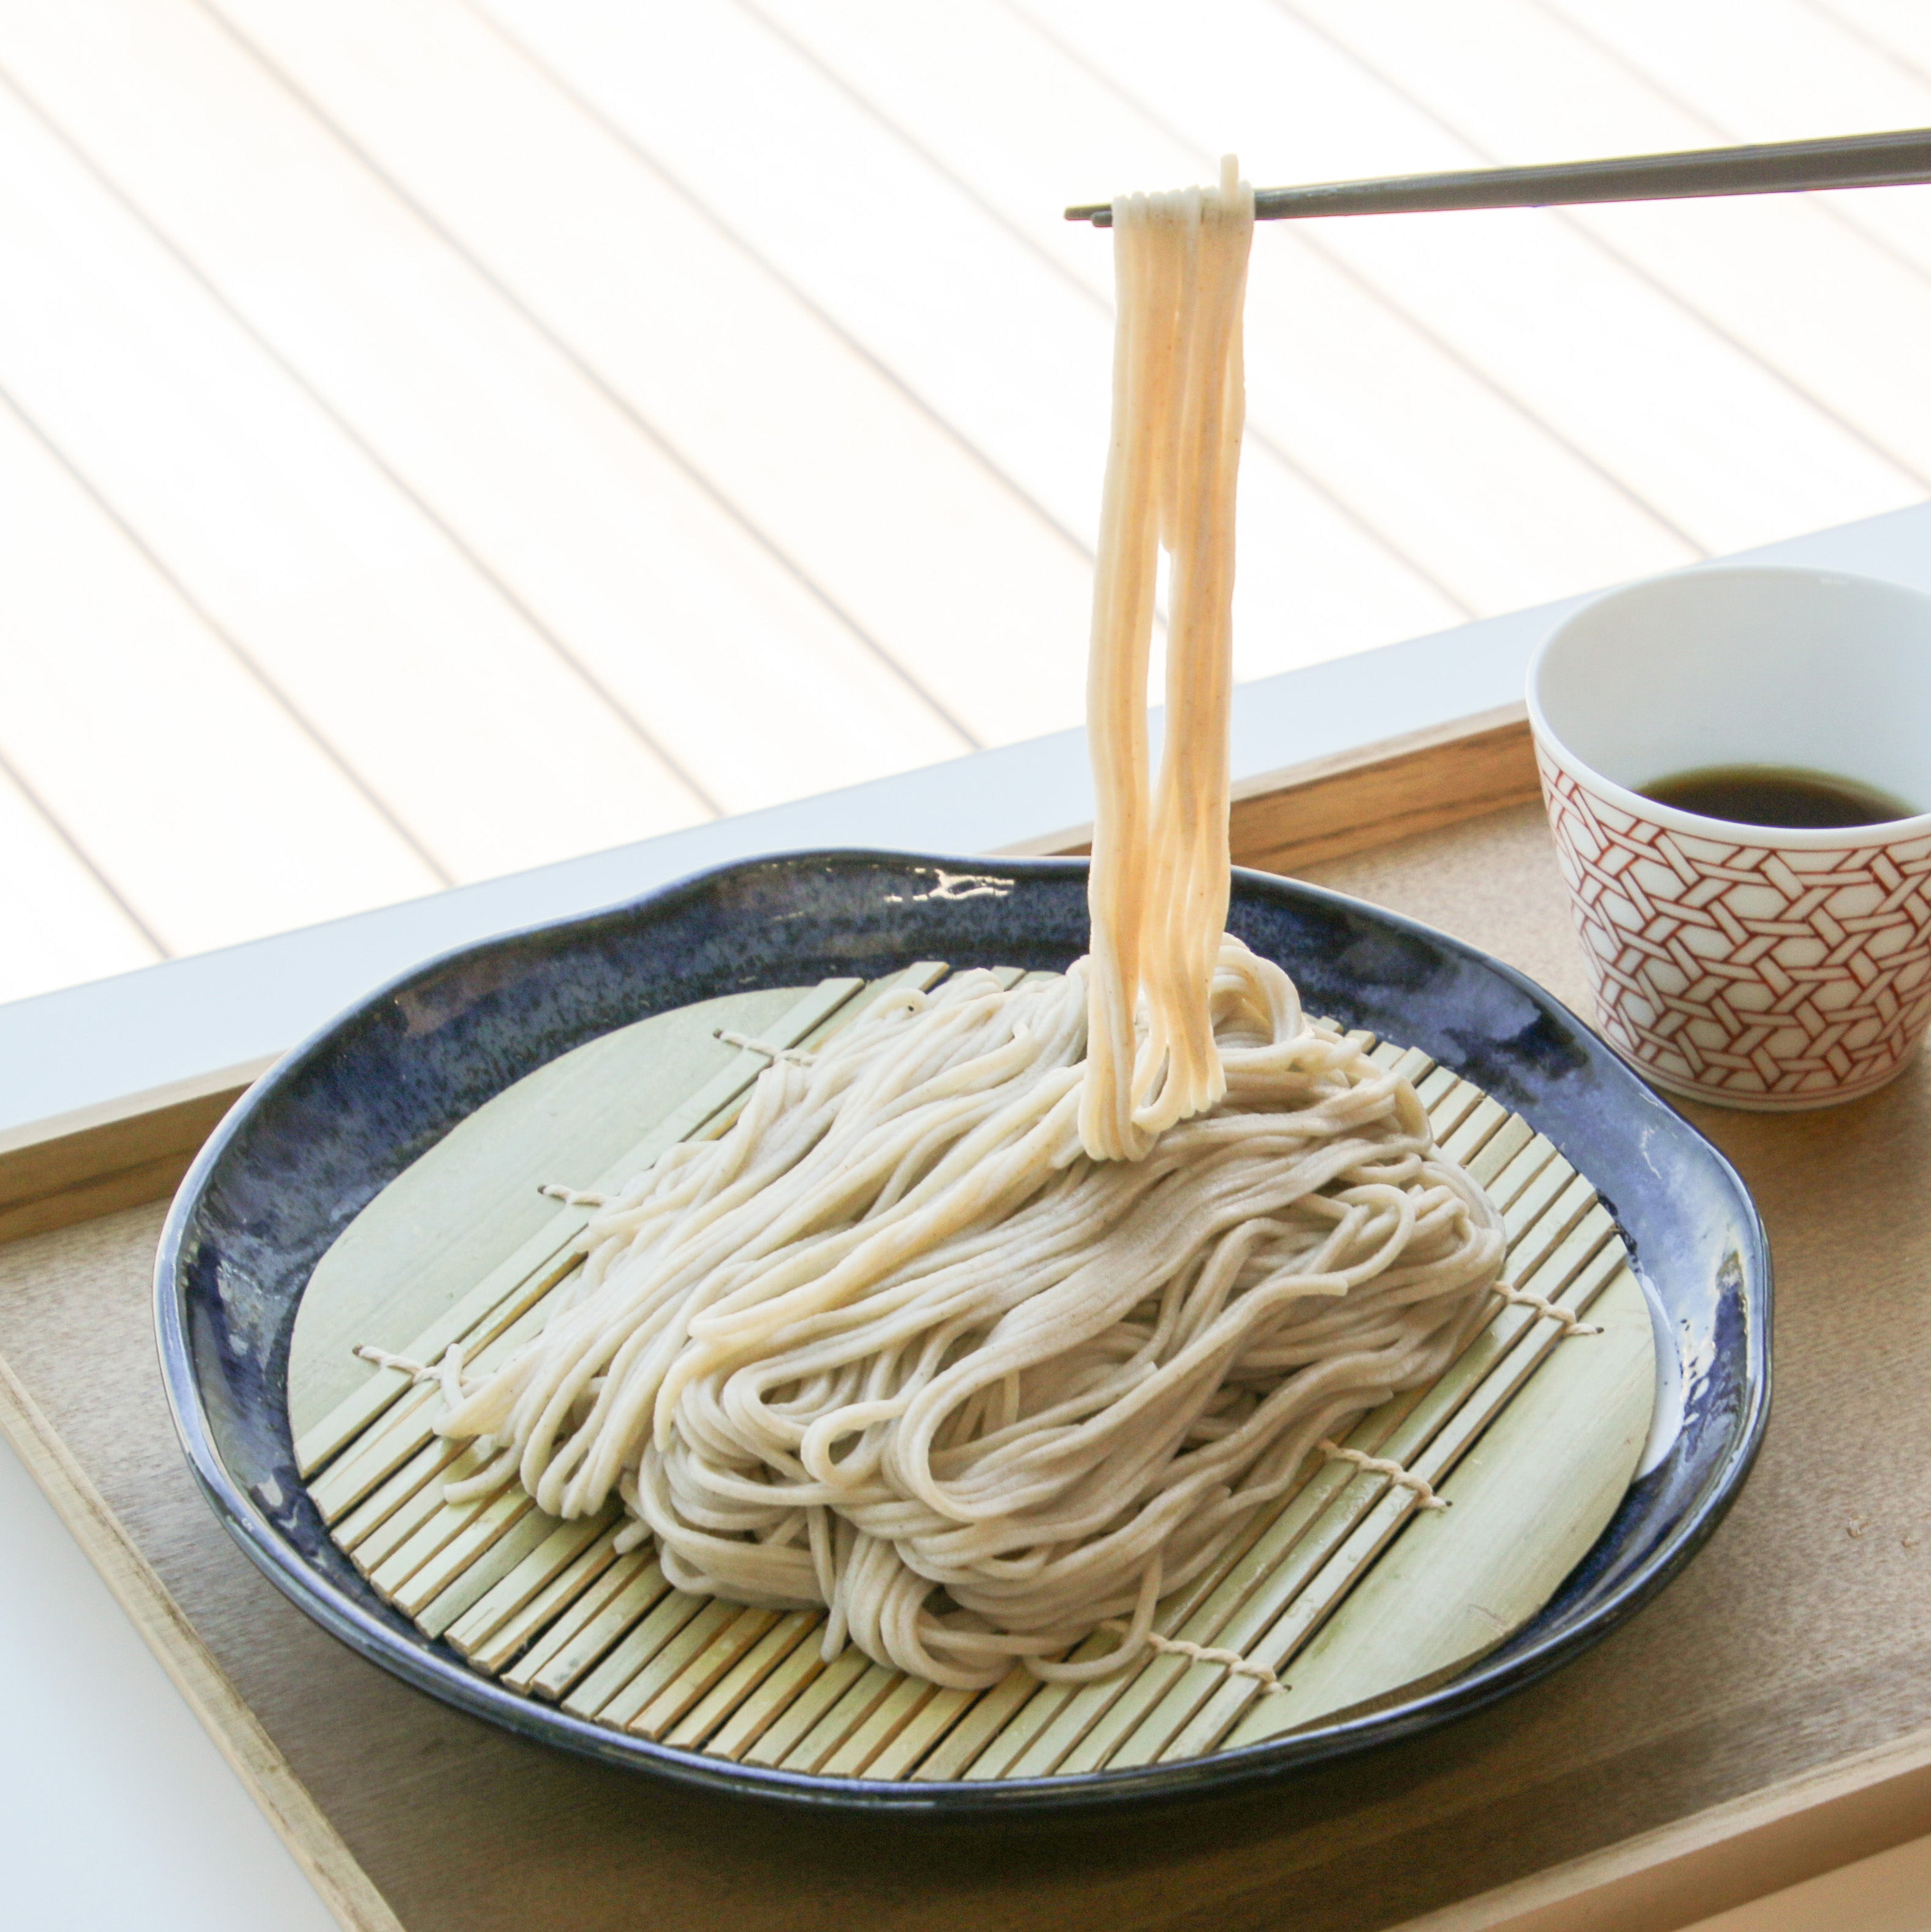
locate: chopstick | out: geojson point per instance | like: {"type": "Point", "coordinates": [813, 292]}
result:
{"type": "Point", "coordinates": [1775, 167]}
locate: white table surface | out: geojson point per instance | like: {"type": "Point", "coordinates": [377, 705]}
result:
{"type": "Point", "coordinates": [116, 1810]}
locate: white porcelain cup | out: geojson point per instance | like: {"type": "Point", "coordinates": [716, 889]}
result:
{"type": "Point", "coordinates": [1755, 967]}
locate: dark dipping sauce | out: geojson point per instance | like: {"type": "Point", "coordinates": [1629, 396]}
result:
{"type": "Point", "coordinates": [1785, 795]}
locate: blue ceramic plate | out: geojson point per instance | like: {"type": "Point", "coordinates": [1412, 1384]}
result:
{"type": "Point", "coordinates": [343, 1114]}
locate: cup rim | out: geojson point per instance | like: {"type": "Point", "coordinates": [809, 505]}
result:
{"type": "Point", "coordinates": [1717, 831]}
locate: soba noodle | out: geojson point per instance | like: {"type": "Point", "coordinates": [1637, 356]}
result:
{"type": "Point", "coordinates": [1001, 1316]}
{"type": "Point", "coordinates": [1159, 879]}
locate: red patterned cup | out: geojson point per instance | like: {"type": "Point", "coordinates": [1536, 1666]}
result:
{"type": "Point", "coordinates": [1752, 966]}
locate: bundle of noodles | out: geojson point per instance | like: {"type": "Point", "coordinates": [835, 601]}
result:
{"type": "Point", "coordinates": [894, 1344]}
{"type": "Point", "coordinates": [1002, 1314]}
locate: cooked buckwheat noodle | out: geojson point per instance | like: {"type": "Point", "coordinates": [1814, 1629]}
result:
{"type": "Point", "coordinates": [999, 1316]}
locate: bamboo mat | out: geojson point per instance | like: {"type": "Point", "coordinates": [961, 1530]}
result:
{"type": "Point", "coordinates": [1801, 1636]}
{"type": "Point", "coordinates": [1530, 1435]}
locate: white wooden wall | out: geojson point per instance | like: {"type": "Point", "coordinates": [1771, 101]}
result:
{"type": "Point", "coordinates": [437, 438]}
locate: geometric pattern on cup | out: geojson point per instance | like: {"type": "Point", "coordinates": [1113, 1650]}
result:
{"type": "Point", "coordinates": [1744, 970]}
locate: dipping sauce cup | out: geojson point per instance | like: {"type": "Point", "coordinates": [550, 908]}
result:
{"type": "Point", "coordinates": [1756, 966]}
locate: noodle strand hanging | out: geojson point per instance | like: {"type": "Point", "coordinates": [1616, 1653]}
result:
{"type": "Point", "coordinates": [1160, 860]}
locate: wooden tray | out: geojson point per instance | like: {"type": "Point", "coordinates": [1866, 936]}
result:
{"type": "Point", "coordinates": [1768, 1717]}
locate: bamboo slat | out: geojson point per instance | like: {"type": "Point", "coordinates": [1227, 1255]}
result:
{"type": "Point", "coordinates": [593, 1622]}
{"type": "Point", "coordinates": [570, 1556]}
{"type": "Point", "coordinates": [667, 1616]}
{"type": "Point", "coordinates": [733, 1693]}
{"type": "Point", "coordinates": [371, 1551]}
{"type": "Point", "coordinates": [1530, 1437]}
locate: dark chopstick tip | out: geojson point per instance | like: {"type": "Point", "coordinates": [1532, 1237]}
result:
{"type": "Point", "coordinates": [1100, 213]}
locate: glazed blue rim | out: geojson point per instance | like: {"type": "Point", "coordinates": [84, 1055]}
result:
{"type": "Point", "coordinates": [1592, 1602]}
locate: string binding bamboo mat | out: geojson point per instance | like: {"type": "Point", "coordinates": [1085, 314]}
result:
{"type": "Point", "coordinates": [1351, 1589]}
